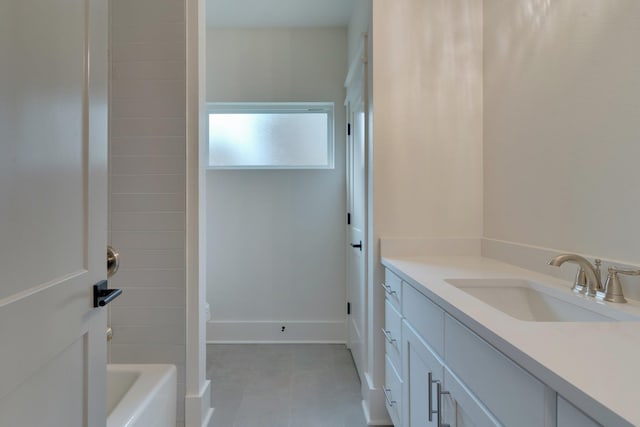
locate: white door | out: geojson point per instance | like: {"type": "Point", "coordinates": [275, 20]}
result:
{"type": "Point", "coordinates": [356, 203]}
{"type": "Point", "coordinates": [53, 206]}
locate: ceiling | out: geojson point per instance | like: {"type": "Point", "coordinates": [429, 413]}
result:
{"type": "Point", "coordinates": [278, 13]}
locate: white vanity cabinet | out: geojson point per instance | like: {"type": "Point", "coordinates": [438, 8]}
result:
{"type": "Point", "coordinates": [433, 395]}
{"type": "Point", "coordinates": [478, 385]}
{"type": "Point", "coordinates": [508, 392]}
{"type": "Point", "coordinates": [392, 332]}
{"type": "Point", "coordinates": [494, 369]}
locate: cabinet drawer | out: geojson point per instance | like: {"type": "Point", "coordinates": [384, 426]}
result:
{"type": "Point", "coordinates": [393, 288]}
{"type": "Point", "coordinates": [513, 396]}
{"type": "Point", "coordinates": [393, 392]}
{"type": "Point", "coordinates": [469, 412]}
{"type": "Point", "coordinates": [393, 335]}
{"type": "Point", "coordinates": [424, 316]}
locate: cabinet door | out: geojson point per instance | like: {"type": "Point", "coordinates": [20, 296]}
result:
{"type": "Point", "coordinates": [512, 395]}
{"type": "Point", "coordinates": [422, 370]}
{"type": "Point", "coordinates": [570, 416]}
{"type": "Point", "coordinates": [469, 411]}
{"type": "Point", "coordinates": [393, 392]}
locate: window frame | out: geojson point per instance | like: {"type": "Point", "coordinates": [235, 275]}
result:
{"type": "Point", "coordinates": [274, 107]}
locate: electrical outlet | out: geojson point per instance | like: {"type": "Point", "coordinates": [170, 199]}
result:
{"type": "Point", "coordinates": [282, 329]}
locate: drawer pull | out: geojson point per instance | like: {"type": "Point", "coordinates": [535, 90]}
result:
{"type": "Point", "coordinates": [431, 412]}
{"type": "Point", "coordinates": [387, 393]}
{"type": "Point", "coordinates": [439, 394]}
{"type": "Point", "coordinates": [388, 289]}
{"type": "Point", "coordinates": [387, 335]}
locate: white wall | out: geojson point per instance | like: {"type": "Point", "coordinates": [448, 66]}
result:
{"type": "Point", "coordinates": [147, 183]}
{"type": "Point", "coordinates": [561, 127]}
{"type": "Point", "coordinates": [427, 135]}
{"type": "Point", "coordinates": [427, 88]}
{"type": "Point", "coordinates": [276, 238]}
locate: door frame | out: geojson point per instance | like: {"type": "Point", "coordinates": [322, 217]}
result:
{"type": "Point", "coordinates": [358, 75]}
{"type": "Point", "coordinates": [198, 410]}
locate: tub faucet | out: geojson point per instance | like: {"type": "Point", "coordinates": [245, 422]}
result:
{"type": "Point", "coordinates": [594, 282]}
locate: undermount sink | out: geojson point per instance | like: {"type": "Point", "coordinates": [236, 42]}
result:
{"type": "Point", "coordinates": [532, 301]}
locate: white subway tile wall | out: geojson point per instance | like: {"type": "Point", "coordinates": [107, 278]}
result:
{"type": "Point", "coordinates": [147, 183]}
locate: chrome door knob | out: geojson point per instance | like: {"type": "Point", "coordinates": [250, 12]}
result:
{"type": "Point", "coordinates": [113, 261]}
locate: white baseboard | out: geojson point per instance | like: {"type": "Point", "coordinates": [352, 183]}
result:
{"type": "Point", "coordinates": [221, 332]}
{"type": "Point", "coordinates": [197, 408]}
{"type": "Point", "coordinates": [373, 405]}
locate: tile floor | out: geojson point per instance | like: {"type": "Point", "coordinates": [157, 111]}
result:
{"type": "Point", "coordinates": [284, 385]}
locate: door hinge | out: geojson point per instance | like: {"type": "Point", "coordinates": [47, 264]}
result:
{"type": "Point", "coordinates": [348, 128]}
{"type": "Point", "coordinates": [348, 308]}
{"type": "Point", "coordinates": [348, 218]}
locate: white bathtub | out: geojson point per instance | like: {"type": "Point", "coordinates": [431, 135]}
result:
{"type": "Point", "coordinates": [141, 395]}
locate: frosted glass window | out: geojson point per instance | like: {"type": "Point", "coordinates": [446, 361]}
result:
{"type": "Point", "coordinates": [273, 136]}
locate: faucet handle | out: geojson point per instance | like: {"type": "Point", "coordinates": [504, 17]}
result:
{"type": "Point", "coordinates": [598, 263]}
{"type": "Point", "coordinates": [613, 288]}
{"type": "Point", "coordinates": [580, 283]}
{"type": "Point", "coordinates": [617, 270]}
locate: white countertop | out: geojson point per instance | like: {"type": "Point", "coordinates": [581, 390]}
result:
{"type": "Point", "coordinates": [594, 365]}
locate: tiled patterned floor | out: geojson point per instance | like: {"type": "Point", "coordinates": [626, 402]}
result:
{"type": "Point", "coordinates": [284, 385]}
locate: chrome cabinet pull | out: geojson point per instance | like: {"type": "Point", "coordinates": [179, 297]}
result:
{"type": "Point", "coordinates": [387, 392]}
{"type": "Point", "coordinates": [439, 394]}
{"type": "Point", "coordinates": [430, 378]}
{"type": "Point", "coordinates": [387, 335]}
{"type": "Point", "coordinates": [388, 289]}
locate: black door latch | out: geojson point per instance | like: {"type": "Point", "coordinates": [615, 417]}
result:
{"type": "Point", "coordinates": [103, 296]}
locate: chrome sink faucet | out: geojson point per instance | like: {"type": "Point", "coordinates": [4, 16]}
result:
{"type": "Point", "coordinates": [594, 282]}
